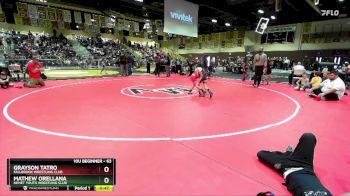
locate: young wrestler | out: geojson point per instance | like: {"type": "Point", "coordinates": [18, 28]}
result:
{"type": "Point", "coordinates": [204, 79]}
{"type": "Point", "coordinates": [196, 75]}
{"type": "Point", "coordinates": [302, 82]}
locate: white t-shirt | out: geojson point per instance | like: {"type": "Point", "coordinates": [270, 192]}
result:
{"type": "Point", "coordinates": [260, 59]}
{"type": "Point", "coordinates": [336, 84]}
{"type": "Point", "coordinates": [298, 70]}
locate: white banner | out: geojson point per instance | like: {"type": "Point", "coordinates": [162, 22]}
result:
{"type": "Point", "coordinates": [126, 25]}
{"type": "Point", "coordinates": [41, 22]}
{"type": "Point", "coordinates": [131, 26]}
{"type": "Point", "coordinates": [51, 13]}
{"type": "Point", "coordinates": [42, 12]}
{"type": "Point", "coordinates": [103, 21]}
{"type": "Point", "coordinates": [67, 16]}
{"type": "Point", "coordinates": [280, 29]}
{"type": "Point", "coordinates": [60, 24]}
{"type": "Point", "coordinates": [120, 25]}
{"type": "Point", "coordinates": [34, 22]}
{"type": "Point", "coordinates": [33, 11]}
{"type": "Point", "coordinates": [110, 22]}
{"type": "Point", "coordinates": [87, 18]}
{"type": "Point", "coordinates": [136, 27]}
{"type": "Point", "coordinates": [77, 17]}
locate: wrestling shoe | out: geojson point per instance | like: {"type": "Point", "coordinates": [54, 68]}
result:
{"type": "Point", "coordinates": [210, 94]}
{"type": "Point", "coordinates": [312, 95]}
{"type": "Point", "coordinates": [202, 93]}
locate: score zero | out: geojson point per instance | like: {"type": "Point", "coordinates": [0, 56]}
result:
{"type": "Point", "coordinates": [106, 179]}
{"type": "Point", "coordinates": [330, 12]}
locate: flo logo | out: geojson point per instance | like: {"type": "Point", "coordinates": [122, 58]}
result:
{"type": "Point", "coordinates": [171, 92]}
{"type": "Point", "coordinates": [330, 12]}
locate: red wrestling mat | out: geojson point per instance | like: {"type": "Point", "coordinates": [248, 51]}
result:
{"type": "Point", "coordinates": [169, 142]}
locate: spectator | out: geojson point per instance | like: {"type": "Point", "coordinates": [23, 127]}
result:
{"type": "Point", "coordinates": [297, 167]}
{"type": "Point", "coordinates": [124, 64]}
{"type": "Point", "coordinates": [16, 70]}
{"type": "Point", "coordinates": [167, 63]}
{"type": "Point", "coordinates": [4, 80]}
{"type": "Point", "coordinates": [315, 81]}
{"type": "Point", "coordinates": [130, 63]}
{"type": "Point", "coordinates": [35, 69]}
{"type": "Point", "coordinates": [268, 71]}
{"type": "Point", "coordinates": [346, 69]}
{"type": "Point", "coordinates": [158, 62]}
{"type": "Point", "coordinates": [148, 66]}
{"type": "Point", "coordinates": [314, 68]}
{"type": "Point", "coordinates": [302, 82]}
{"type": "Point", "coordinates": [286, 63]}
{"type": "Point", "coordinates": [332, 88]}
{"type": "Point", "coordinates": [297, 71]}
{"type": "Point", "coordinates": [245, 69]}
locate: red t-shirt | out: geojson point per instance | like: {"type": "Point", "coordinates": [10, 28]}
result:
{"type": "Point", "coordinates": [32, 73]}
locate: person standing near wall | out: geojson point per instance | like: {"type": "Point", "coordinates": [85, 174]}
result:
{"type": "Point", "coordinates": [167, 64]}
{"type": "Point", "coordinates": [157, 61]}
{"type": "Point", "coordinates": [245, 69]}
{"type": "Point", "coordinates": [148, 65]}
{"type": "Point", "coordinates": [268, 71]}
{"type": "Point", "coordinates": [259, 63]}
{"type": "Point", "coordinates": [123, 62]}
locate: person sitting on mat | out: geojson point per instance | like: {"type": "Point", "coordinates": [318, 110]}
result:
{"type": "Point", "coordinates": [297, 167]}
{"type": "Point", "coordinates": [332, 88]}
{"type": "Point", "coordinates": [297, 71]}
{"type": "Point", "coordinates": [35, 68]}
{"type": "Point", "coordinates": [315, 81]}
{"type": "Point", "coordinates": [302, 82]}
{"type": "Point", "coordinates": [4, 80]}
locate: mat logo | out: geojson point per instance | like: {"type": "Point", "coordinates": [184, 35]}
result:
{"type": "Point", "coordinates": [169, 90]}
{"type": "Point", "coordinates": [181, 17]}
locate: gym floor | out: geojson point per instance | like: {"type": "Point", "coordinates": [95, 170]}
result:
{"type": "Point", "coordinates": [167, 142]}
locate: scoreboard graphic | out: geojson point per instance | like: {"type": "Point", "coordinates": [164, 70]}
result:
{"type": "Point", "coordinates": [76, 174]}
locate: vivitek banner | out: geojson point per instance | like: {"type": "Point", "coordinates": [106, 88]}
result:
{"type": "Point", "coordinates": [181, 18]}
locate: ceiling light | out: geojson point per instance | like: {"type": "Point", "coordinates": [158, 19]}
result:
{"type": "Point", "coordinates": [341, 0]}
{"type": "Point", "coordinates": [261, 11]}
{"type": "Point", "coordinates": [139, 0]}
{"type": "Point", "coordinates": [227, 24]}
{"type": "Point", "coordinates": [273, 17]}
{"type": "Point", "coordinates": [214, 20]}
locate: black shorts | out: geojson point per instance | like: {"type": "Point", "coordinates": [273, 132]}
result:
{"type": "Point", "coordinates": [268, 71]}
{"type": "Point", "coordinates": [204, 78]}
